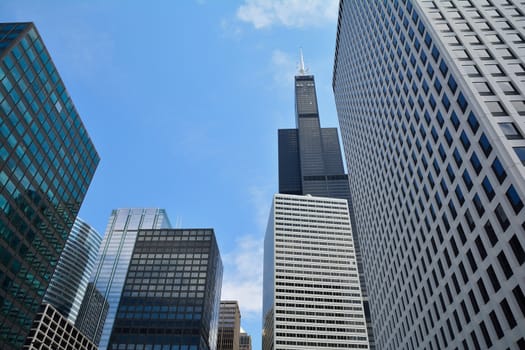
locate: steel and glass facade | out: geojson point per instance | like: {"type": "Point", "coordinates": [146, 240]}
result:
{"type": "Point", "coordinates": [92, 314]}
{"type": "Point", "coordinates": [171, 294]}
{"type": "Point", "coordinates": [47, 161]}
{"type": "Point", "coordinates": [311, 290]}
{"type": "Point", "coordinates": [113, 261]}
{"type": "Point", "coordinates": [71, 276]}
{"type": "Point", "coordinates": [431, 103]}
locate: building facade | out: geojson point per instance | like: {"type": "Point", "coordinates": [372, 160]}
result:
{"type": "Point", "coordinates": [229, 325]}
{"type": "Point", "coordinates": [311, 290]}
{"type": "Point", "coordinates": [70, 279]}
{"type": "Point", "coordinates": [47, 161]}
{"type": "Point", "coordinates": [113, 261]}
{"type": "Point", "coordinates": [171, 293]}
{"type": "Point", "coordinates": [310, 162]}
{"type": "Point", "coordinates": [430, 99]}
{"type": "Point", "coordinates": [92, 313]}
{"type": "Point", "coordinates": [245, 341]}
{"type": "Point", "coordinates": [51, 330]}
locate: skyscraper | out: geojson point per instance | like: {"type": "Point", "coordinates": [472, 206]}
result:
{"type": "Point", "coordinates": [113, 261]}
{"type": "Point", "coordinates": [430, 98]}
{"type": "Point", "coordinates": [310, 162]}
{"type": "Point", "coordinates": [171, 293]}
{"type": "Point", "coordinates": [229, 325]}
{"type": "Point", "coordinates": [311, 291]}
{"type": "Point", "coordinates": [92, 313]}
{"type": "Point", "coordinates": [47, 161]}
{"type": "Point", "coordinates": [245, 341]}
{"type": "Point", "coordinates": [72, 273]}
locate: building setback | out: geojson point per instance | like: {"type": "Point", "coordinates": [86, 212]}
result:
{"type": "Point", "coordinates": [70, 279]}
{"type": "Point", "coordinates": [47, 161]}
{"type": "Point", "coordinates": [430, 99]}
{"type": "Point", "coordinates": [171, 295]}
{"type": "Point", "coordinates": [229, 325]}
{"type": "Point", "coordinates": [311, 291]}
{"type": "Point", "coordinates": [113, 262]}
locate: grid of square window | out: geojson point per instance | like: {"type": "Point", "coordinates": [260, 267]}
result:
{"type": "Point", "coordinates": [435, 171]}
{"type": "Point", "coordinates": [171, 293]}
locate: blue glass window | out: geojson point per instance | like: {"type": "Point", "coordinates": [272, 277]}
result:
{"type": "Point", "coordinates": [487, 187]}
{"type": "Point", "coordinates": [445, 101]}
{"type": "Point", "coordinates": [421, 28]}
{"type": "Point", "coordinates": [462, 102]}
{"type": "Point", "coordinates": [448, 137]}
{"type": "Point", "coordinates": [434, 134]}
{"type": "Point", "coordinates": [464, 141]}
{"type": "Point", "coordinates": [452, 209]}
{"type": "Point", "coordinates": [423, 57]}
{"type": "Point", "coordinates": [467, 179]}
{"type": "Point", "coordinates": [473, 122]}
{"type": "Point", "coordinates": [452, 84]}
{"type": "Point", "coordinates": [443, 68]}
{"type": "Point", "coordinates": [520, 152]}
{"type": "Point", "coordinates": [413, 60]}
{"type": "Point", "coordinates": [440, 120]}
{"type": "Point", "coordinates": [502, 217]}
{"type": "Point", "coordinates": [459, 195]}
{"type": "Point", "coordinates": [426, 115]}
{"type": "Point", "coordinates": [419, 73]}
{"type": "Point", "coordinates": [425, 87]}
{"type": "Point", "coordinates": [430, 71]}
{"type": "Point", "coordinates": [457, 157]}
{"type": "Point", "coordinates": [428, 41]}
{"type": "Point", "coordinates": [442, 153]}
{"type": "Point", "coordinates": [435, 53]}
{"type": "Point", "coordinates": [455, 120]}
{"type": "Point", "coordinates": [498, 170]}
{"type": "Point", "coordinates": [432, 102]}
{"type": "Point", "coordinates": [438, 86]}
{"type": "Point", "coordinates": [450, 173]}
{"type": "Point", "coordinates": [415, 17]}
{"type": "Point", "coordinates": [417, 44]}
{"type": "Point", "coordinates": [476, 164]}
{"type": "Point", "coordinates": [485, 145]}
{"type": "Point", "coordinates": [479, 206]}
{"type": "Point", "coordinates": [514, 199]}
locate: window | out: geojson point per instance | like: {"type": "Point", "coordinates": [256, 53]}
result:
{"type": "Point", "coordinates": [517, 249]}
{"type": "Point", "coordinates": [520, 152]}
{"type": "Point", "coordinates": [514, 199]}
{"type": "Point", "coordinates": [508, 88]}
{"type": "Point", "coordinates": [464, 141]}
{"type": "Point", "coordinates": [476, 164]}
{"type": "Point", "coordinates": [485, 145]}
{"type": "Point", "coordinates": [502, 217]}
{"type": "Point", "coordinates": [483, 89]}
{"type": "Point", "coordinates": [487, 187]}
{"type": "Point", "coordinates": [496, 108]}
{"type": "Point", "coordinates": [498, 170]}
{"type": "Point", "coordinates": [510, 131]}
{"type": "Point", "coordinates": [462, 102]}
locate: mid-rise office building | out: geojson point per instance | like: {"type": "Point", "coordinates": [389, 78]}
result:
{"type": "Point", "coordinates": [51, 330]}
{"type": "Point", "coordinates": [171, 293]}
{"type": "Point", "coordinates": [431, 103]}
{"type": "Point", "coordinates": [229, 325]}
{"type": "Point", "coordinates": [71, 277]}
{"type": "Point", "coordinates": [47, 161]}
{"type": "Point", "coordinates": [245, 341]}
{"type": "Point", "coordinates": [311, 290]}
{"type": "Point", "coordinates": [112, 264]}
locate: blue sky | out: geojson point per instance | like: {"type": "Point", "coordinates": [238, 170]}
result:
{"type": "Point", "coordinates": [183, 100]}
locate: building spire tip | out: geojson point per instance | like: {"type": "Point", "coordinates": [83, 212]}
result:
{"type": "Point", "coordinates": [302, 68]}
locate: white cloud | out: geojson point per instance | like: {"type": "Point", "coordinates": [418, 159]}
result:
{"type": "Point", "coordinates": [283, 68]}
{"type": "Point", "coordinates": [289, 13]}
{"type": "Point", "coordinates": [261, 199]}
{"type": "Point", "coordinates": [243, 271]}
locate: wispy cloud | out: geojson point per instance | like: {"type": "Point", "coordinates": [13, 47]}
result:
{"type": "Point", "coordinates": [261, 199]}
{"type": "Point", "coordinates": [288, 13]}
{"type": "Point", "coordinates": [243, 270]}
{"type": "Point", "coordinates": [283, 67]}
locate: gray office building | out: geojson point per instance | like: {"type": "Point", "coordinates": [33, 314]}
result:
{"type": "Point", "coordinates": [72, 273]}
{"type": "Point", "coordinates": [47, 161]}
{"type": "Point", "coordinates": [431, 102]}
{"type": "Point", "coordinates": [92, 313]}
{"type": "Point", "coordinates": [171, 294]}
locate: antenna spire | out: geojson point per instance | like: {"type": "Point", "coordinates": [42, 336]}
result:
{"type": "Point", "coordinates": [302, 68]}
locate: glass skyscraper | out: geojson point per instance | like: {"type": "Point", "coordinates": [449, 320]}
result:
{"type": "Point", "coordinates": [113, 261]}
{"type": "Point", "coordinates": [71, 276]}
{"type": "Point", "coordinates": [47, 161]}
{"type": "Point", "coordinates": [431, 102]}
{"type": "Point", "coordinates": [172, 292]}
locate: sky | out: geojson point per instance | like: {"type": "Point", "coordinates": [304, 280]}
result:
{"type": "Point", "coordinates": [183, 100]}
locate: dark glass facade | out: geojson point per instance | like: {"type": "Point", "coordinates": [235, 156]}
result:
{"type": "Point", "coordinates": [92, 314]}
{"type": "Point", "coordinates": [47, 161]}
{"type": "Point", "coordinates": [171, 295]}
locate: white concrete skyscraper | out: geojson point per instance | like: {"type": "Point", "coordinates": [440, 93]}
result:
{"type": "Point", "coordinates": [431, 102]}
{"type": "Point", "coordinates": [311, 295]}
